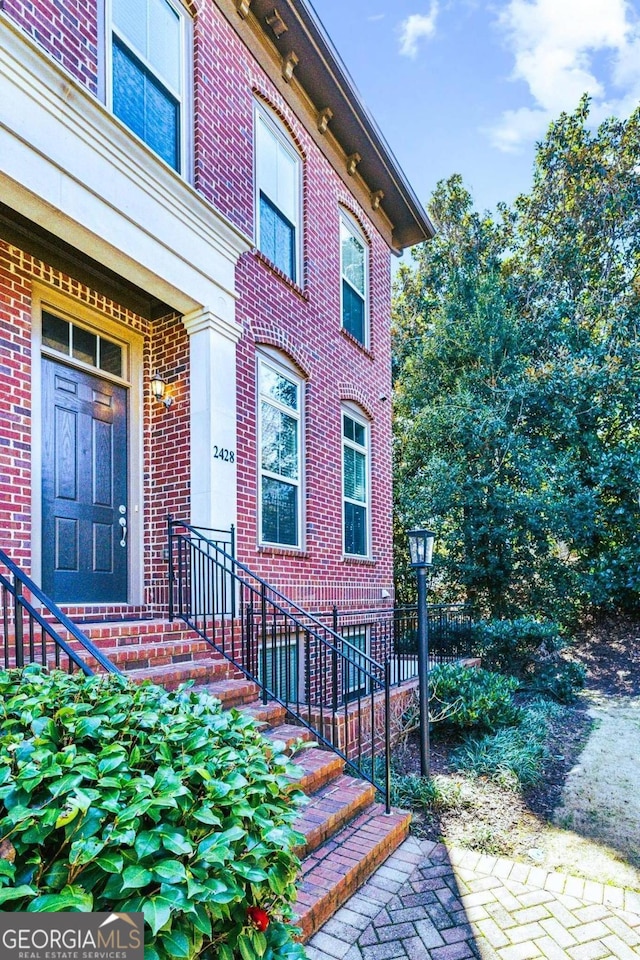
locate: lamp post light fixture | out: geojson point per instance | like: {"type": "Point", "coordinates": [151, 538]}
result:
{"type": "Point", "coordinates": [421, 550]}
{"type": "Point", "coordinates": [159, 389]}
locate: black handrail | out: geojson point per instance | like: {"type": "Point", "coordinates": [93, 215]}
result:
{"type": "Point", "coordinates": [326, 683]}
{"type": "Point", "coordinates": [32, 635]}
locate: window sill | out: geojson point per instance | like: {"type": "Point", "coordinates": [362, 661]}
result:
{"type": "Point", "coordinates": [281, 274]}
{"type": "Point", "coordinates": [276, 551]}
{"type": "Point", "coordinates": [359, 561]}
{"type": "Point", "coordinates": [356, 343]}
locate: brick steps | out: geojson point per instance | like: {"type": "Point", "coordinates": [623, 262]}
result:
{"type": "Point", "coordinates": [317, 768]}
{"type": "Point", "coordinates": [155, 654]}
{"type": "Point", "coordinates": [289, 734]}
{"type": "Point", "coordinates": [172, 675]}
{"type": "Point", "coordinates": [330, 808]}
{"type": "Point", "coordinates": [334, 872]}
{"type": "Point", "coordinates": [346, 834]}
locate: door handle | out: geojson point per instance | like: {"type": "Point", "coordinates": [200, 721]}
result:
{"type": "Point", "coordinates": [123, 525]}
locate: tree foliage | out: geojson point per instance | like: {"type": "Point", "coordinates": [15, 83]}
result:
{"type": "Point", "coordinates": [516, 368]}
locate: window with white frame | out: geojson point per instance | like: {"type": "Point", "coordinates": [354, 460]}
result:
{"type": "Point", "coordinates": [278, 179]}
{"type": "Point", "coordinates": [356, 665]}
{"type": "Point", "coordinates": [147, 43]}
{"type": "Point", "coordinates": [355, 279]}
{"type": "Point", "coordinates": [280, 453]}
{"type": "Point", "coordinates": [355, 483]}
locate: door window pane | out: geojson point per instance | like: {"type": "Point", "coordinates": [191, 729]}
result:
{"type": "Point", "coordinates": [85, 346]}
{"type": "Point", "coordinates": [110, 357]}
{"type": "Point", "coordinates": [55, 333]}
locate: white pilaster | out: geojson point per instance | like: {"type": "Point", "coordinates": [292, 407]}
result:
{"type": "Point", "coordinates": [213, 339]}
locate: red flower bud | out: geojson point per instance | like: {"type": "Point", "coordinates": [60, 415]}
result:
{"type": "Point", "coordinates": [259, 918]}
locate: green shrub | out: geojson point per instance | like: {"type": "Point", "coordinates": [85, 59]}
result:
{"type": "Point", "coordinates": [122, 798]}
{"type": "Point", "coordinates": [513, 756]}
{"type": "Point", "coordinates": [530, 650]}
{"type": "Point", "coordinates": [466, 698]}
{"type": "Point", "coordinates": [512, 646]}
{"type": "Point", "coordinates": [413, 792]}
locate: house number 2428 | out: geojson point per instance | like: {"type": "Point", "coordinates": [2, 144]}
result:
{"type": "Point", "coordinates": [221, 453]}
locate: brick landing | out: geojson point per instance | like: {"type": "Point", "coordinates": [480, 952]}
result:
{"type": "Point", "coordinates": [432, 903]}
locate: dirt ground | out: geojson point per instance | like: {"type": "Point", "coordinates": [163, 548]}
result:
{"type": "Point", "coordinates": [584, 816]}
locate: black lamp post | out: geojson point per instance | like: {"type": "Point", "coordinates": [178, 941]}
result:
{"type": "Point", "coordinates": [421, 550]}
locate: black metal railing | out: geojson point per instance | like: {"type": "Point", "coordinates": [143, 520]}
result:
{"type": "Point", "coordinates": [326, 682]}
{"type": "Point", "coordinates": [392, 634]}
{"type": "Point", "coordinates": [35, 630]}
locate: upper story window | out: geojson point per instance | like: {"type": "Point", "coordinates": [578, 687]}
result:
{"type": "Point", "coordinates": [355, 483]}
{"type": "Point", "coordinates": [280, 453]}
{"type": "Point", "coordinates": [355, 279]}
{"type": "Point", "coordinates": [278, 180]}
{"type": "Point", "coordinates": [148, 73]}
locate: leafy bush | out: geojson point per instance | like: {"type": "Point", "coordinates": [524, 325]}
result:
{"type": "Point", "coordinates": [414, 792]}
{"type": "Point", "coordinates": [122, 798]}
{"type": "Point", "coordinates": [465, 697]}
{"type": "Point", "coordinates": [558, 678]}
{"type": "Point", "coordinates": [512, 646]}
{"type": "Point", "coordinates": [513, 756]}
{"type": "Point", "coordinates": [530, 650]}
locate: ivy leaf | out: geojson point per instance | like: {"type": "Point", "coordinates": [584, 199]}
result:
{"type": "Point", "coordinates": [136, 877]}
{"type": "Point", "coordinates": [16, 893]}
{"type": "Point", "coordinates": [71, 898]}
{"type": "Point", "coordinates": [157, 911]}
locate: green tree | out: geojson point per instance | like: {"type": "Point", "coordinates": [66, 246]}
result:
{"type": "Point", "coordinates": [515, 363]}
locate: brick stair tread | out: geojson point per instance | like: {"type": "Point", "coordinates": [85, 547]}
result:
{"type": "Point", "coordinates": [271, 714]}
{"type": "Point", "coordinates": [232, 692]}
{"type": "Point", "coordinates": [162, 651]}
{"type": "Point", "coordinates": [289, 734]}
{"type": "Point", "coordinates": [330, 808]}
{"type": "Point", "coordinates": [174, 674]}
{"type": "Point", "coordinates": [333, 872]}
{"type": "Point", "coordinates": [317, 767]}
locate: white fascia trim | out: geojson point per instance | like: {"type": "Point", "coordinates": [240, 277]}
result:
{"type": "Point", "coordinates": [102, 176]}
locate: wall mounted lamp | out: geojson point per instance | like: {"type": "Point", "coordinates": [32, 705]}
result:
{"type": "Point", "coordinates": [159, 390]}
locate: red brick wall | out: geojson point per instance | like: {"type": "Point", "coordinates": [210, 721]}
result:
{"type": "Point", "coordinates": [15, 411]}
{"type": "Point", "coordinates": [67, 31]}
{"type": "Point", "coordinates": [304, 321]}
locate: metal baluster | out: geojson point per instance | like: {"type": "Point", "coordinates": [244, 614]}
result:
{"type": "Point", "coordinates": [19, 640]}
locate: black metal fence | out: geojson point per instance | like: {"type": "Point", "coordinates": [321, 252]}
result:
{"type": "Point", "coordinates": [326, 682]}
{"type": "Point", "coordinates": [34, 630]}
{"type": "Point", "coordinates": [392, 634]}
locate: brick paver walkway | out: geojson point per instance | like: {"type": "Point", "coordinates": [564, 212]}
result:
{"type": "Point", "coordinates": [429, 901]}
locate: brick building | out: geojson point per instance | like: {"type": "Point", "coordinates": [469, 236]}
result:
{"type": "Point", "coordinates": [197, 217]}
{"type": "Point", "coordinates": [194, 190]}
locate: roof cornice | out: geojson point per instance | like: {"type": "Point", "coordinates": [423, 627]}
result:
{"type": "Point", "coordinates": [309, 60]}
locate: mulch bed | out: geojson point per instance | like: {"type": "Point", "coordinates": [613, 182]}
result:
{"type": "Point", "coordinates": [501, 821]}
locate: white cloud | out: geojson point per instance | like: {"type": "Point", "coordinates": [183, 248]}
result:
{"type": "Point", "coordinates": [375, 16]}
{"type": "Point", "coordinates": [417, 27]}
{"type": "Point", "coordinates": [554, 44]}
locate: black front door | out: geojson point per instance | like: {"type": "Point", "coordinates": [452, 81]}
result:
{"type": "Point", "coordinates": [84, 486]}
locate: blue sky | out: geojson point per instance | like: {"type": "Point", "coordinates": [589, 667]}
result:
{"type": "Point", "coordinates": [468, 86]}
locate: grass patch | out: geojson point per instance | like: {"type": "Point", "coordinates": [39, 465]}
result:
{"type": "Point", "coordinates": [512, 756]}
{"type": "Point", "coordinates": [413, 792]}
